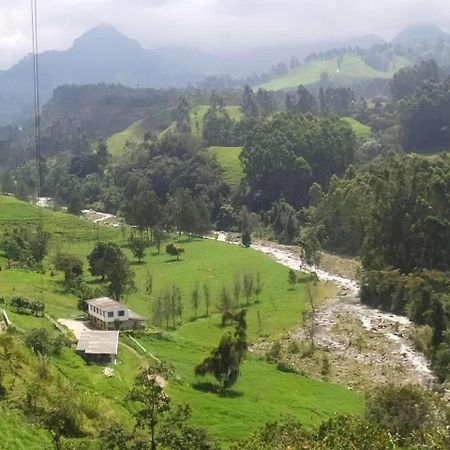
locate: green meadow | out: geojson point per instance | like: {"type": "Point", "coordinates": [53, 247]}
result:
{"type": "Point", "coordinates": [228, 158]}
{"type": "Point", "coordinates": [351, 69]}
{"type": "Point", "coordinates": [19, 434]}
{"type": "Point", "coordinates": [360, 129]}
{"type": "Point", "coordinates": [262, 393]}
{"type": "Point", "coordinates": [134, 134]}
{"type": "Point", "coordinates": [198, 113]}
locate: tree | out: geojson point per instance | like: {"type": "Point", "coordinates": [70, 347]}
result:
{"type": "Point", "coordinates": [292, 277]}
{"type": "Point", "coordinates": [172, 250]}
{"type": "Point", "coordinates": [407, 411]}
{"type": "Point", "coordinates": [309, 149]}
{"type": "Point", "coordinates": [248, 103]}
{"type": "Point", "coordinates": [121, 278]}
{"type": "Point", "coordinates": [43, 343]}
{"type": "Point", "coordinates": [71, 265]}
{"type": "Point", "coordinates": [237, 288]}
{"type": "Point", "coordinates": [248, 286]}
{"type": "Point", "coordinates": [68, 192]}
{"type": "Point", "coordinates": [158, 236]}
{"type": "Point", "coordinates": [141, 206]}
{"type": "Point", "coordinates": [225, 303]}
{"type": "Point", "coordinates": [246, 227]}
{"type": "Point", "coordinates": [224, 361]}
{"type": "Point", "coordinates": [207, 296]}
{"type": "Point", "coordinates": [109, 262]}
{"type": "Point", "coordinates": [25, 247]}
{"type": "Point", "coordinates": [149, 283]}
{"type": "Point", "coordinates": [154, 402]}
{"type": "Point", "coordinates": [137, 246]}
{"type": "Point", "coordinates": [195, 299]}
{"type": "Point", "coordinates": [310, 246]}
{"type": "Point", "coordinates": [182, 115]}
{"type": "Point", "coordinates": [259, 285]}
{"type": "Point", "coordinates": [265, 102]}
{"type": "Point", "coordinates": [177, 434]}
{"type": "Point", "coordinates": [246, 237]}
{"type": "Point", "coordinates": [408, 79]}
{"type": "Point", "coordinates": [114, 438]}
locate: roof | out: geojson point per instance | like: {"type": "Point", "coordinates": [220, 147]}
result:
{"type": "Point", "coordinates": [134, 316]}
{"type": "Point", "coordinates": [96, 342]}
{"type": "Point", "coordinates": [106, 303]}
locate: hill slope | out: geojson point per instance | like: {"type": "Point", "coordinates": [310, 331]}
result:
{"type": "Point", "coordinates": [262, 392]}
{"type": "Point", "coordinates": [419, 35]}
{"type": "Point", "coordinates": [228, 158]}
{"type": "Point", "coordinates": [351, 68]}
{"type": "Point", "coordinates": [198, 114]}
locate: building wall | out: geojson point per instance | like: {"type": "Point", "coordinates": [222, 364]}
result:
{"type": "Point", "coordinates": [103, 314]}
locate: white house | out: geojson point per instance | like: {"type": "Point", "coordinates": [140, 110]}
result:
{"type": "Point", "coordinates": [107, 314]}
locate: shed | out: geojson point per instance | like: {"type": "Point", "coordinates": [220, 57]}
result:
{"type": "Point", "coordinates": [99, 346]}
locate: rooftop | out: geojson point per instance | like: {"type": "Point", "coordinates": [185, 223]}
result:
{"type": "Point", "coordinates": [95, 342]}
{"type": "Point", "coordinates": [106, 303]}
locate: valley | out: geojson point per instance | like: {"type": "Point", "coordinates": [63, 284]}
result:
{"type": "Point", "coordinates": [240, 248]}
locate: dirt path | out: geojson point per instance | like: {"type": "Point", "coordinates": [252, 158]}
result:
{"type": "Point", "coordinates": [356, 345]}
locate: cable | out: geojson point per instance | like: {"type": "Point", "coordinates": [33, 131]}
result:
{"type": "Point", "coordinates": [37, 119]}
{"type": "Point", "coordinates": [37, 126]}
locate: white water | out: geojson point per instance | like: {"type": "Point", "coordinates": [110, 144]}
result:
{"type": "Point", "coordinates": [372, 319]}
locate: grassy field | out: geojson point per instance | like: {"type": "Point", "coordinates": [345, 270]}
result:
{"type": "Point", "coordinates": [134, 134]}
{"type": "Point", "coordinates": [18, 434]}
{"type": "Point", "coordinates": [262, 393]}
{"type": "Point", "coordinates": [198, 113]}
{"type": "Point", "coordinates": [360, 129]}
{"type": "Point", "coordinates": [228, 158]}
{"type": "Point", "coordinates": [352, 68]}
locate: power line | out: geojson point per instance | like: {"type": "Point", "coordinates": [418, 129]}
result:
{"type": "Point", "coordinates": [37, 118]}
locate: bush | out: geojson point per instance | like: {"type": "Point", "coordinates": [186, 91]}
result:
{"type": "Point", "coordinates": [284, 366]}
{"type": "Point", "coordinates": [44, 343]}
{"type": "Point", "coordinates": [273, 355]}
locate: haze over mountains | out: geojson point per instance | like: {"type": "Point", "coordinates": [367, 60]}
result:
{"type": "Point", "coordinates": [103, 54]}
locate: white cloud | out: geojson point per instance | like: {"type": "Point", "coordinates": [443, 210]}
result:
{"type": "Point", "coordinates": [210, 24]}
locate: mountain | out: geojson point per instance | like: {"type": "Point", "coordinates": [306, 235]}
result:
{"type": "Point", "coordinates": [420, 34]}
{"type": "Point", "coordinates": [101, 55]}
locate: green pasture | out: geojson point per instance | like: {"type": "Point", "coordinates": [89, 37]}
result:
{"type": "Point", "coordinates": [228, 158]}
{"type": "Point", "coordinates": [350, 69]}
{"type": "Point", "coordinates": [262, 393]}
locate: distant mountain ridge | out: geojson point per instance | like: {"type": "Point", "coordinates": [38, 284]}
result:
{"type": "Point", "coordinates": [419, 35]}
{"type": "Point", "coordinates": [104, 55]}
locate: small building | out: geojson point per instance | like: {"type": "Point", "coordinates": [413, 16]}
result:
{"type": "Point", "coordinates": [98, 346]}
{"type": "Point", "coordinates": [107, 314]}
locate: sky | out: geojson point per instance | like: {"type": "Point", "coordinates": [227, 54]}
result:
{"type": "Point", "coordinates": [211, 24]}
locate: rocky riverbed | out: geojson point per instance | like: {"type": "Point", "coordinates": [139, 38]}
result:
{"type": "Point", "coordinates": [354, 345]}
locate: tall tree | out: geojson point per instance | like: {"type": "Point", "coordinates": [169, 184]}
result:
{"type": "Point", "coordinates": [248, 103]}
{"type": "Point", "coordinates": [224, 361]}
{"type": "Point", "coordinates": [195, 299]}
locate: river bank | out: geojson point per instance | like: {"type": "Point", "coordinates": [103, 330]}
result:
{"type": "Point", "coordinates": [354, 345]}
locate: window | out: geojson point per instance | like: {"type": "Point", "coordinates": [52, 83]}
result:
{"type": "Point", "coordinates": [121, 313]}
{"type": "Point", "coordinates": [110, 313]}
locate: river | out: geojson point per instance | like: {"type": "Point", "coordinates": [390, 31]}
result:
{"type": "Point", "coordinates": [390, 332]}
